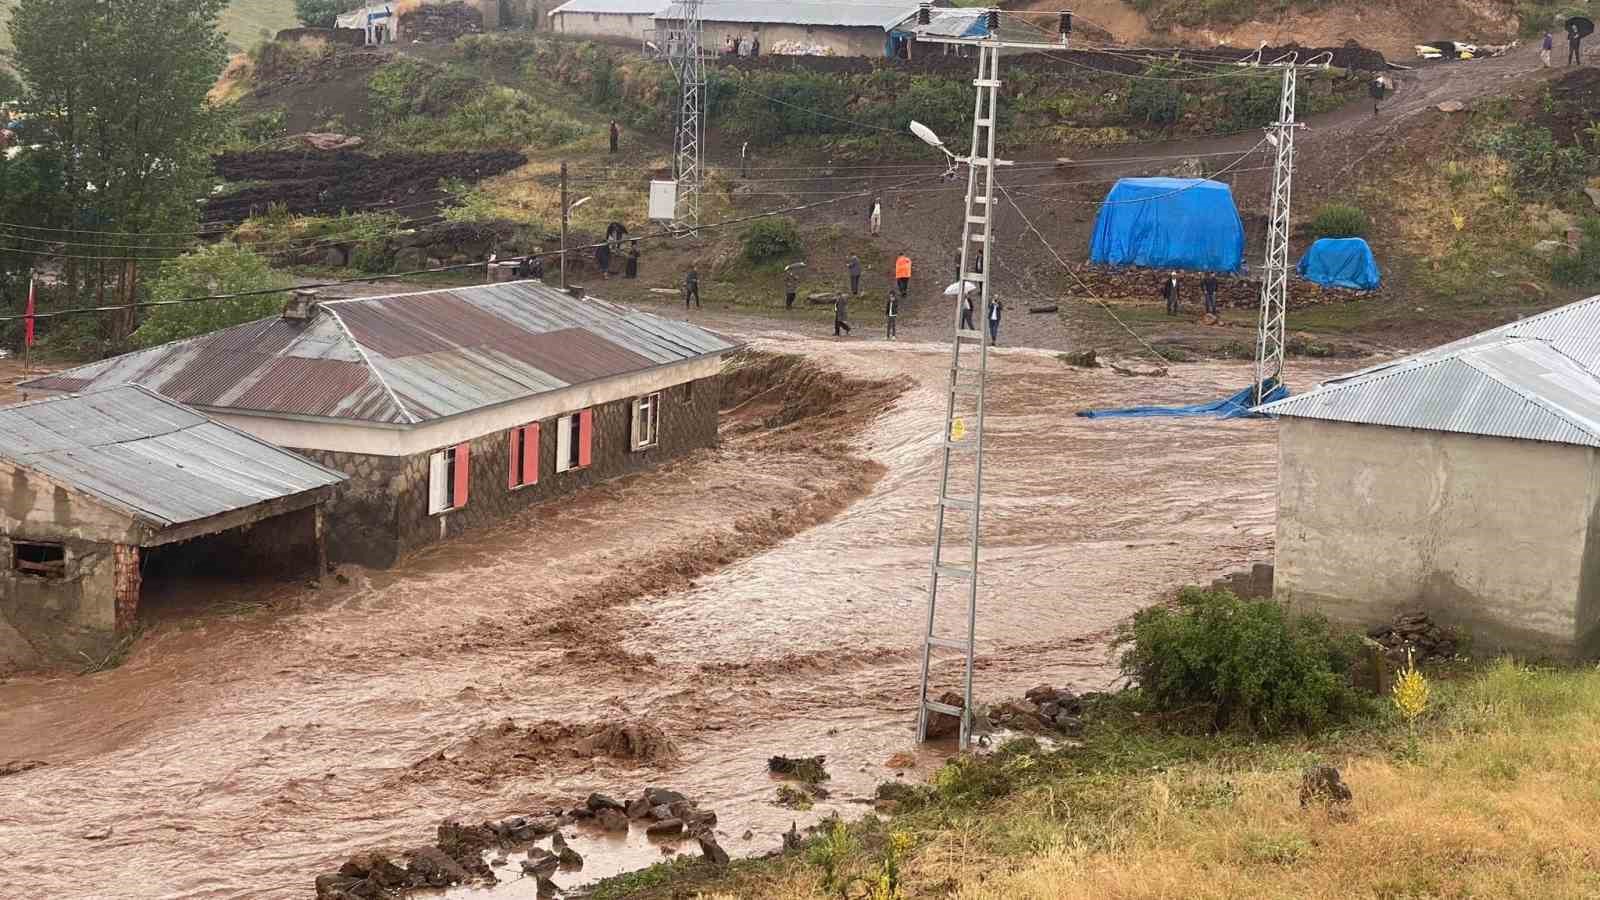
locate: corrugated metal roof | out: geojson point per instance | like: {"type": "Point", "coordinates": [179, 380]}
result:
{"type": "Point", "coordinates": [1536, 379]}
{"type": "Point", "coordinates": [406, 358]}
{"type": "Point", "coordinates": [955, 23]}
{"type": "Point", "coordinates": [615, 7]}
{"type": "Point", "coordinates": [151, 457]}
{"type": "Point", "coordinates": [800, 12]}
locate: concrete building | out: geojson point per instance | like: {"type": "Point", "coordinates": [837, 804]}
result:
{"type": "Point", "coordinates": [104, 493]}
{"type": "Point", "coordinates": [625, 19]}
{"type": "Point", "coordinates": [803, 27]}
{"type": "Point", "coordinates": [1463, 481]}
{"type": "Point", "coordinates": [447, 408]}
{"type": "Point", "coordinates": [378, 23]}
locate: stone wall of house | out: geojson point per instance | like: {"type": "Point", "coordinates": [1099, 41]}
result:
{"type": "Point", "coordinates": [63, 616]}
{"type": "Point", "coordinates": [382, 511]}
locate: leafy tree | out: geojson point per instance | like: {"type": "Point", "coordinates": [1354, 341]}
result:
{"type": "Point", "coordinates": [115, 91]}
{"type": "Point", "coordinates": [322, 13]}
{"type": "Point", "coordinates": [217, 269]}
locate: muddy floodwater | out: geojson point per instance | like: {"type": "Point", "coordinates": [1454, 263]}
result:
{"type": "Point", "coordinates": [765, 597]}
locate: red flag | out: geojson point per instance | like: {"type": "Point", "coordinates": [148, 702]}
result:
{"type": "Point", "coordinates": [27, 321]}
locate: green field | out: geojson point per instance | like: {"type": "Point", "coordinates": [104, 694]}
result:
{"type": "Point", "coordinates": [243, 23]}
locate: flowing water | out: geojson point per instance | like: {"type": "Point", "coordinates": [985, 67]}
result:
{"type": "Point", "coordinates": [761, 598]}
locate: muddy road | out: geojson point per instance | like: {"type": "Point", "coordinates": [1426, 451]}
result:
{"type": "Point", "coordinates": [760, 598]}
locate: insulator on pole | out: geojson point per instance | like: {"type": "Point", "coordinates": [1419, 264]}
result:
{"type": "Point", "coordinates": [993, 20]}
{"type": "Point", "coordinates": [1066, 24]}
{"type": "Point", "coordinates": [925, 14]}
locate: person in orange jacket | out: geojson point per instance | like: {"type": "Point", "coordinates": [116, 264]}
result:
{"type": "Point", "coordinates": [902, 274]}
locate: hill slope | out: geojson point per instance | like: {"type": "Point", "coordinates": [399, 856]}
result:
{"type": "Point", "coordinates": [243, 22]}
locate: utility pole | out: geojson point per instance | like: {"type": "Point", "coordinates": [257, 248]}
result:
{"type": "Point", "coordinates": [683, 48]}
{"type": "Point", "coordinates": [961, 477]}
{"type": "Point", "coordinates": [563, 226]}
{"type": "Point", "coordinates": [1275, 270]}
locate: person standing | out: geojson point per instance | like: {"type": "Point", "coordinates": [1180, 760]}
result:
{"type": "Point", "coordinates": [536, 268]}
{"type": "Point", "coordinates": [1169, 290]}
{"type": "Point", "coordinates": [744, 160]}
{"type": "Point", "coordinates": [966, 309]}
{"type": "Point", "coordinates": [632, 270]}
{"type": "Point", "coordinates": [1545, 48]}
{"type": "Point", "coordinates": [1209, 285]}
{"type": "Point", "coordinates": [791, 283]}
{"type": "Point", "coordinates": [755, 46]}
{"type": "Point", "coordinates": [875, 217]}
{"type": "Point", "coordinates": [995, 307]}
{"type": "Point", "coordinates": [902, 274]}
{"type": "Point", "coordinates": [891, 311]}
{"type": "Point", "coordinates": [1574, 45]}
{"type": "Point", "coordinates": [853, 267]}
{"type": "Point", "coordinates": [691, 288]}
{"type": "Point", "coordinates": [841, 313]}
{"type": "Point", "coordinates": [615, 134]}
{"type": "Point", "coordinates": [1377, 89]}
{"type": "Point", "coordinates": [602, 260]}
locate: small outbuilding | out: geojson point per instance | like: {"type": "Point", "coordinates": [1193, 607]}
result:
{"type": "Point", "coordinates": [1463, 481]}
{"type": "Point", "coordinates": [628, 19]}
{"type": "Point", "coordinates": [799, 27]}
{"type": "Point", "coordinates": [101, 491]}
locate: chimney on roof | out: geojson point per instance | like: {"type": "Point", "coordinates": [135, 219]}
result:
{"type": "Point", "coordinates": [300, 305]}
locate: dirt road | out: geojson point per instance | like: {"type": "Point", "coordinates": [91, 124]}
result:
{"type": "Point", "coordinates": [760, 598]}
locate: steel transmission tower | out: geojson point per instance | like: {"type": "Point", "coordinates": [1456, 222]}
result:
{"type": "Point", "coordinates": [961, 478]}
{"type": "Point", "coordinates": [1275, 271]}
{"type": "Point", "coordinates": [683, 50]}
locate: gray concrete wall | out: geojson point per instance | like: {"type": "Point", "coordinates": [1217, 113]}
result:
{"type": "Point", "coordinates": [59, 617]}
{"type": "Point", "coordinates": [1487, 533]}
{"type": "Point", "coordinates": [612, 25]}
{"type": "Point", "coordinates": [382, 512]}
{"type": "Point", "coordinates": [842, 41]}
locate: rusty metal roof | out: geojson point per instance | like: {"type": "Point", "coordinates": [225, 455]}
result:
{"type": "Point", "coordinates": [1536, 379]}
{"type": "Point", "coordinates": [405, 359]}
{"type": "Point", "coordinates": [152, 458]}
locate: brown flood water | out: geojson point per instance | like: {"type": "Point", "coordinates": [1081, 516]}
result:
{"type": "Point", "coordinates": [240, 754]}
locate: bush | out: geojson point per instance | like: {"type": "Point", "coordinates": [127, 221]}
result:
{"type": "Point", "coordinates": [322, 13]}
{"type": "Point", "coordinates": [1250, 664]}
{"type": "Point", "coordinates": [1581, 269]}
{"type": "Point", "coordinates": [1540, 168]}
{"type": "Point", "coordinates": [1156, 102]}
{"type": "Point", "coordinates": [1336, 220]}
{"type": "Point", "coordinates": [217, 269]}
{"type": "Point", "coordinates": [772, 239]}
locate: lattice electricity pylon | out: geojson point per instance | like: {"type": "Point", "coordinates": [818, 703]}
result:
{"type": "Point", "coordinates": [1275, 271]}
{"type": "Point", "coordinates": [961, 444]}
{"type": "Point", "coordinates": [683, 45]}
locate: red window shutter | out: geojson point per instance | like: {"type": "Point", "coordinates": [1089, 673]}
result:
{"type": "Point", "coordinates": [585, 437]}
{"type": "Point", "coordinates": [511, 467]}
{"type": "Point", "coordinates": [463, 468]}
{"type": "Point", "coordinates": [530, 457]}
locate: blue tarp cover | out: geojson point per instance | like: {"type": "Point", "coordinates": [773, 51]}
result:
{"type": "Point", "coordinates": [1235, 407]}
{"type": "Point", "coordinates": [1341, 262]}
{"type": "Point", "coordinates": [1169, 223]}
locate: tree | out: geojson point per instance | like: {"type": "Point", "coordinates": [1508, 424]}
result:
{"type": "Point", "coordinates": [322, 13]}
{"type": "Point", "coordinates": [217, 269]}
{"type": "Point", "coordinates": [116, 91]}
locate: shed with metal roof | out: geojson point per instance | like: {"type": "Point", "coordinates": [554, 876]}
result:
{"type": "Point", "coordinates": [101, 491]}
{"type": "Point", "coordinates": [797, 27]}
{"type": "Point", "coordinates": [627, 19]}
{"type": "Point", "coordinates": [1463, 481]}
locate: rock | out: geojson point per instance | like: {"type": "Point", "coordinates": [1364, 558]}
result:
{"type": "Point", "coordinates": [1044, 308]}
{"type": "Point", "coordinates": [1083, 359]}
{"type": "Point", "coordinates": [97, 832]}
{"type": "Point", "coordinates": [541, 862]}
{"type": "Point", "coordinates": [665, 828]}
{"type": "Point", "coordinates": [791, 838]}
{"type": "Point", "coordinates": [1323, 784]}
{"type": "Point", "coordinates": [748, 834]}
{"type": "Point", "coordinates": [1594, 196]}
{"type": "Point", "coordinates": [902, 761]}
{"type": "Point", "coordinates": [611, 820]}
{"type": "Point", "coordinates": [711, 850]}
{"type": "Point", "coordinates": [1549, 248]}
{"type": "Point", "coordinates": [410, 259]}
{"type": "Point", "coordinates": [805, 768]}
{"type": "Point", "coordinates": [579, 813]}
{"type": "Point", "coordinates": [700, 820]}
{"type": "Point", "coordinates": [1452, 106]}
{"type": "Point", "coordinates": [569, 858]}
{"type": "Point", "coordinates": [18, 766]}
{"type": "Point", "coordinates": [661, 813]}
{"type": "Point", "coordinates": [597, 802]}
{"type": "Point", "coordinates": [1047, 711]}
{"type": "Point", "coordinates": [1069, 703]}
{"type": "Point", "coordinates": [1040, 694]}
{"type": "Point", "coordinates": [943, 725]}
{"type": "Point", "coordinates": [341, 887]}
{"type": "Point", "coordinates": [638, 808]}
{"type": "Point", "coordinates": [334, 258]}
{"type": "Point", "coordinates": [545, 886]}
{"type": "Point", "coordinates": [1068, 724]}
{"type": "Point", "coordinates": [662, 796]}
{"type": "Point", "coordinates": [375, 867]}
{"type": "Point", "coordinates": [431, 867]}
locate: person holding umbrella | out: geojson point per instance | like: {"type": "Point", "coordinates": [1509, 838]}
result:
{"type": "Point", "coordinates": [1578, 28]}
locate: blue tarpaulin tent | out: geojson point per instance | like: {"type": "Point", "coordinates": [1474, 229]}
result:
{"type": "Point", "coordinates": [1235, 407]}
{"type": "Point", "coordinates": [1169, 223]}
{"type": "Point", "coordinates": [1341, 262]}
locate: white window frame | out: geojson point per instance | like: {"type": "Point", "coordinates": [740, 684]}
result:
{"type": "Point", "coordinates": [441, 481]}
{"type": "Point", "coordinates": [647, 421]}
{"type": "Point", "coordinates": [566, 426]}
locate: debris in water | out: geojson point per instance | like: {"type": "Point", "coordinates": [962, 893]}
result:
{"type": "Point", "coordinates": [809, 769]}
{"type": "Point", "coordinates": [712, 850]}
{"type": "Point", "coordinates": [18, 766]}
{"type": "Point", "coordinates": [97, 833]}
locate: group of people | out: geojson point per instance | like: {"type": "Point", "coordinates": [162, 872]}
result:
{"type": "Point", "coordinates": [1172, 291]}
{"type": "Point", "coordinates": [1574, 45]}
{"type": "Point", "coordinates": [736, 45]}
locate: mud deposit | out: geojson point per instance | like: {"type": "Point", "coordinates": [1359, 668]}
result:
{"type": "Point", "coordinates": [325, 183]}
{"type": "Point", "coordinates": [759, 599]}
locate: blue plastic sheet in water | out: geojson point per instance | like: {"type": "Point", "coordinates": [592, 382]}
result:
{"type": "Point", "coordinates": [1169, 223]}
{"type": "Point", "coordinates": [1340, 262]}
{"type": "Point", "coordinates": [1237, 406]}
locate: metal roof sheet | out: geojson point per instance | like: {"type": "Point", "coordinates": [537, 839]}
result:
{"type": "Point", "coordinates": [404, 359]}
{"type": "Point", "coordinates": [152, 457]}
{"type": "Point", "coordinates": [843, 13]}
{"type": "Point", "coordinates": [955, 23]}
{"type": "Point", "coordinates": [1533, 380]}
{"type": "Point", "coordinates": [614, 7]}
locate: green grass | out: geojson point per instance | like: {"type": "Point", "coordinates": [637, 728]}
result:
{"type": "Point", "coordinates": [243, 22]}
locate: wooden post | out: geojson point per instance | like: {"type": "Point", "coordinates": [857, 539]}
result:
{"type": "Point", "coordinates": [563, 226]}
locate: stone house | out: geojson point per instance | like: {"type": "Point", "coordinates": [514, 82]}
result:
{"type": "Point", "coordinates": [1463, 481]}
{"type": "Point", "coordinates": [625, 19]}
{"type": "Point", "coordinates": [447, 408]}
{"type": "Point", "coordinates": [105, 495]}
{"type": "Point", "coordinates": [808, 27]}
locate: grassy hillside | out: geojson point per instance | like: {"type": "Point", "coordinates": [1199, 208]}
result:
{"type": "Point", "coordinates": [243, 23]}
